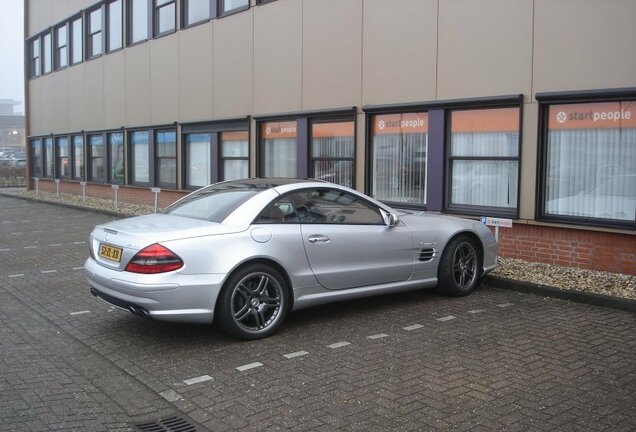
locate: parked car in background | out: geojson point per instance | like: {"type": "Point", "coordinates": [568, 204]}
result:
{"type": "Point", "coordinates": [244, 253]}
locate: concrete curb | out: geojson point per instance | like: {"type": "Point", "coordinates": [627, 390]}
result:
{"type": "Point", "coordinates": [572, 295]}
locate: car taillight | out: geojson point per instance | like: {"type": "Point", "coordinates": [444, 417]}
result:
{"type": "Point", "coordinates": [154, 259]}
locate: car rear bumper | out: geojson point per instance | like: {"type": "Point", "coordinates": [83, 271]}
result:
{"type": "Point", "coordinates": [166, 297]}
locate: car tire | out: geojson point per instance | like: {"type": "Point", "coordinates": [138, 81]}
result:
{"type": "Point", "coordinates": [253, 302]}
{"type": "Point", "coordinates": [460, 267]}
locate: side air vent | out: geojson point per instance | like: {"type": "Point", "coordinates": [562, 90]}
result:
{"type": "Point", "coordinates": [427, 254]}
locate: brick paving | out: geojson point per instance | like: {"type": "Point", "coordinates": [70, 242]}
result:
{"type": "Point", "coordinates": [496, 360]}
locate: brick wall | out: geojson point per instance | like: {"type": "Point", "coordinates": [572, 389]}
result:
{"type": "Point", "coordinates": [592, 250]}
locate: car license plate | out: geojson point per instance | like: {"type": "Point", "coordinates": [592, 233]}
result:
{"type": "Point", "coordinates": [110, 252]}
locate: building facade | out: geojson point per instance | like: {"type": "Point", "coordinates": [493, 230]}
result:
{"type": "Point", "coordinates": [520, 109]}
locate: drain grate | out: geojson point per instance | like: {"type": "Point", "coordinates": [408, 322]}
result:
{"type": "Point", "coordinates": [172, 424]}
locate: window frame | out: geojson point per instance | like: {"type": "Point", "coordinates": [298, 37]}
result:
{"type": "Point", "coordinates": [48, 161]}
{"type": "Point", "coordinates": [71, 39]}
{"type": "Point", "coordinates": [44, 60]}
{"type": "Point", "coordinates": [221, 12]}
{"type": "Point", "coordinates": [35, 61]}
{"type": "Point", "coordinates": [89, 33]}
{"type": "Point", "coordinates": [72, 145]}
{"type": "Point", "coordinates": [303, 136]}
{"type": "Point", "coordinates": [57, 48]}
{"type": "Point", "coordinates": [321, 120]}
{"type": "Point", "coordinates": [156, 17]}
{"type": "Point", "coordinates": [156, 159]}
{"type": "Point", "coordinates": [184, 14]}
{"type": "Point", "coordinates": [59, 158]}
{"type": "Point", "coordinates": [129, 22]}
{"type": "Point", "coordinates": [149, 155]}
{"type": "Point", "coordinates": [36, 142]}
{"type": "Point", "coordinates": [479, 210]}
{"type": "Point", "coordinates": [108, 20]}
{"type": "Point", "coordinates": [545, 100]}
{"type": "Point", "coordinates": [89, 157]}
{"type": "Point", "coordinates": [109, 157]}
{"type": "Point", "coordinates": [215, 129]}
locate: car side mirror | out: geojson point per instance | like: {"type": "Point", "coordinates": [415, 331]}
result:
{"type": "Point", "coordinates": [390, 219]}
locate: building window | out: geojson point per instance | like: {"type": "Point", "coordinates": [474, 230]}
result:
{"type": "Point", "coordinates": [47, 60]}
{"type": "Point", "coordinates": [94, 40]}
{"type": "Point", "coordinates": [198, 148]}
{"type": "Point", "coordinates": [165, 16]}
{"type": "Point", "coordinates": [96, 158]}
{"type": "Point", "coordinates": [114, 19]}
{"type": "Point", "coordinates": [63, 160]}
{"type": "Point", "coordinates": [399, 157]}
{"type": "Point", "coordinates": [166, 157]}
{"type": "Point", "coordinates": [137, 21]}
{"type": "Point", "coordinates": [49, 161]}
{"type": "Point", "coordinates": [229, 6]}
{"type": "Point", "coordinates": [588, 171]}
{"type": "Point", "coordinates": [61, 47]}
{"type": "Point", "coordinates": [36, 161]}
{"type": "Point", "coordinates": [140, 155]}
{"type": "Point", "coordinates": [77, 142]}
{"type": "Point", "coordinates": [76, 41]}
{"type": "Point", "coordinates": [332, 152]}
{"type": "Point", "coordinates": [116, 157]}
{"type": "Point", "coordinates": [34, 58]}
{"type": "Point", "coordinates": [234, 155]}
{"type": "Point", "coordinates": [196, 11]}
{"type": "Point", "coordinates": [278, 149]}
{"type": "Point", "coordinates": [483, 159]}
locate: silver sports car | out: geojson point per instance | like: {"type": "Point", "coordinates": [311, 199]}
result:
{"type": "Point", "coordinates": [244, 253]}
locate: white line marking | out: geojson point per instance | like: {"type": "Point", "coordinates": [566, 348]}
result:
{"type": "Point", "coordinates": [16, 275]}
{"type": "Point", "coordinates": [48, 271]}
{"type": "Point", "coordinates": [338, 345]}
{"type": "Point", "coordinates": [295, 354]}
{"type": "Point", "coordinates": [80, 312]}
{"type": "Point", "coordinates": [476, 311]}
{"type": "Point", "coordinates": [55, 244]}
{"type": "Point", "coordinates": [78, 268]}
{"type": "Point", "coordinates": [377, 336]}
{"type": "Point", "coordinates": [503, 305]}
{"type": "Point", "coordinates": [202, 378]}
{"type": "Point", "coordinates": [446, 318]}
{"type": "Point", "coordinates": [81, 242]}
{"type": "Point", "coordinates": [4, 250]}
{"type": "Point", "coordinates": [17, 233]}
{"type": "Point", "coordinates": [171, 395]}
{"type": "Point", "coordinates": [249, 366]}
{"type": "Point", "coordinates": [413, 327]}
{"type": "Point", "coordinates": [30, 247]}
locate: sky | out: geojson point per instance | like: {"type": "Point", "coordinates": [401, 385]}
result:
{"type": "Point", "coordinates": [12, 52]}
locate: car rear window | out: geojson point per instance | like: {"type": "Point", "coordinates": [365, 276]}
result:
{"type": "Point", "coordinates": [213, 203]}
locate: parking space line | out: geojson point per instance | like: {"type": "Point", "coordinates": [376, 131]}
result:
{"type": "Point", "coordinates": [4, 250]}
{"type": "Point", "coordinates": [377, 336]}
{"type": "Point", "coordinates": [503, 305]}
{"type": "Point", "coordinates": [446, 318]}
{"type": "Point", "coordinates": [295, 354]}
{"type": "Point", "coordinates": [200, 379]}
{"type": "Point", "coordinates": [79, 242]}
{"type": "Point", "coordinates": [80, 312]}
{"type": "Point", "coordinates": [30, 247]}
{"type": "Point", "coordinates": [476, 311]}
{"type": "Point", "coordinates": [48, 271]}
{"type": "Point", "coordinates": [338, 345]}
{"type": "Point", "coordinates": [55, 244]}
{"type": "Point", "coordinates": [412, 327]}
{"type": "Point", "coordinates": [78, 268]}
{"type": "Point", "coordinates": [249, 366]}
{"type": "Point", "coordinates": [16, 275]}
{"type": "Point", "coordinates": [171, 395]}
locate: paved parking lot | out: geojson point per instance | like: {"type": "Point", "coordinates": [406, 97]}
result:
{"type": "Point", "coordinates": [496, 360]}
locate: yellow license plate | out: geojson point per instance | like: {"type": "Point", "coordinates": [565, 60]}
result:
{"type": "Point", "coordinates": [110, 252]}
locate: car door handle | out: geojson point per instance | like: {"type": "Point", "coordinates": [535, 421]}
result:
{"type": "Point", "coordinates": [318, 239]}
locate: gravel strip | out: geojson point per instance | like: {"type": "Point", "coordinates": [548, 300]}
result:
{"type": "Point", "coordinates": [567, 278]}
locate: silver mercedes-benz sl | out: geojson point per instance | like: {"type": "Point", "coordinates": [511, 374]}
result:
{"type": "Point", "coordinates": [244, 253]}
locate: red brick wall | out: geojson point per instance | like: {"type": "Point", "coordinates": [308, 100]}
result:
{"type": "Point", "coordinates": [591, 250]}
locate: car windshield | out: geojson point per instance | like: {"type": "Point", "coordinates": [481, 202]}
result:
{"type": "Point", "coordinates": [214, 203]}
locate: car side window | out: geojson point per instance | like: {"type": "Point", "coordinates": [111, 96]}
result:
{"type": "Point", "coordinates": [321, 206]}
